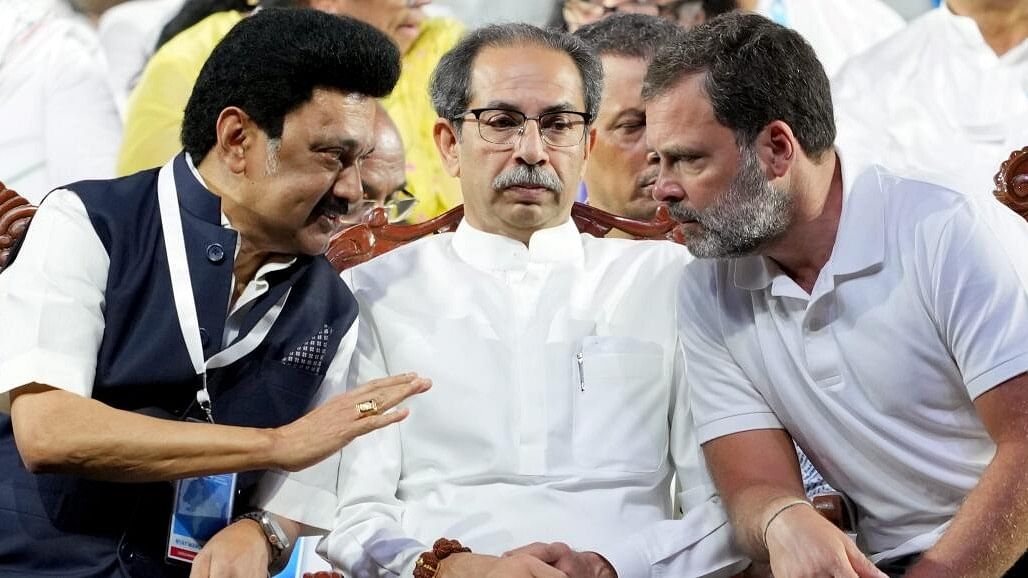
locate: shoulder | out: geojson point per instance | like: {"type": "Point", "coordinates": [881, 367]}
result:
{"type": "Point", "coordinates": [438, 35]}
{"type": "Point", "coordinates": [193, 45]}
{"type": "Point", "coordinates": [403, 264]}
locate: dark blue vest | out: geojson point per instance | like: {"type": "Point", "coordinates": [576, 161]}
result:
{"type": "Point", "coordinates": [59, 525]}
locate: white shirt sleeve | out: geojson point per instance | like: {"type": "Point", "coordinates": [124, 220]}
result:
{"type": "Point", "coordinates": [724, 399]}
{"type": "Point", "coordinates": [700, 543]}
{"type": "Point", "coordinates": [52, 302]}
{"type": "Point", "coordinates": [309, 496]}
{"type": "Point", "coordinates": [978, 284]}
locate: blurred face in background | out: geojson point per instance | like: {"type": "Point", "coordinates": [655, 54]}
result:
{"type": "Point", "coordinates": [399, 19]}
{"type": "Point", "coordinates": [621, 174]}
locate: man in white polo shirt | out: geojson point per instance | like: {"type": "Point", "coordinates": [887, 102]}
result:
{"type": "Point", "coordinates": [881, 322]}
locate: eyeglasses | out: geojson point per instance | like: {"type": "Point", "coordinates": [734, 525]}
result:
{"type": "Point", "coordinates": [562, 128]}
{"type": "Point", "coordinates": [398, 204]}
{"type": "Point", "coordinates": [595, 10]}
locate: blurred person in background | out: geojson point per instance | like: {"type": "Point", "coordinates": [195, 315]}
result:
{"type": "Point", "coordinates": [154, 115]}
{"type": "Point", "coordinates": [946, 100]}
{"type": "Point", "coordinates": [620, 174]}
{"type": "Point", "coordinates": [57, 113]}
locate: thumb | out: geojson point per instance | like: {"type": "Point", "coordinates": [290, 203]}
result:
{"type": "Point", "coordinates": [861, 565]}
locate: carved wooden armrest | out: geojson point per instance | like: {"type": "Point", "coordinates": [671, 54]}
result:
{"type": "Point", "coordinates": [838, 509]}
{"type": "Point", "coordinates": [1012, 182]}
{"type": "Point", "coordinates": [15, 214]}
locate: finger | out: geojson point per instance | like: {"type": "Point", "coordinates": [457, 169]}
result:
{"type": "Point", "coordinates": [540, 569]}
{"type": "Point", "coordinates": [373, 422]}
{"type": "Point", "coordinates": [527, 550]}
{"type": "Point", "coordinates": [391, 396]}
{"type": "Point", "coordinates": [863, 567]}
{"type": "Point", "coordinates": [548, 553]}
{"type": "Point", "coordinates": [381, 382]}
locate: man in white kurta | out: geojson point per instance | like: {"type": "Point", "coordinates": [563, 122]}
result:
{"type": "Point", "coordinates": [559, 411]}
{"type": "Point", "coordinates": [941, 101]}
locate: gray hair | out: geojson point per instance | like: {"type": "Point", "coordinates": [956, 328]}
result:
{"type": "Point", "coordinates": [629, 35]}
{"type": "Point", "coordinates": [450, 87]}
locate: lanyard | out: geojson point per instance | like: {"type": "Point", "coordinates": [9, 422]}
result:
{"type": "Point", "coordinates": [182, 290]}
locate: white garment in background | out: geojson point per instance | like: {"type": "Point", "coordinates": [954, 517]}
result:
{"type": "Point", "coordinates": [935, 102]}
{"type": "Point", "coordinates": [558, 411]}
{"type": "Point", "coordinates": [475, 13]}
{"type": "Point", "coordinates": [58, 121]}
{"type": "Point", "coordinates": [837, 29]}
{"type": "Point", "coordinates": [128, 33]}
{"type": "Point", "coordinates": [922, 307]}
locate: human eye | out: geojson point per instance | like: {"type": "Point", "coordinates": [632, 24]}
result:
{"type": "Point", "coordinates": [558, 122]}
{"type": "Point", "coordinates": [501, 120]}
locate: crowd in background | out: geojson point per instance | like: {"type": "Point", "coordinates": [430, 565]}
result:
{"type": "Point", "coordinates": [96, 88]}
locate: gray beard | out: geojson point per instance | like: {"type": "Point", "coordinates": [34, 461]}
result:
{"type": "Point", "coordinates": [742, 220]}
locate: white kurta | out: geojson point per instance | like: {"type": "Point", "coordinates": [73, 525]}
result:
{"type": "Point", "coordinates": [935, 102]}
{"type": "Point", "coordinates": [558, 410]}
{"type": "Point", "coordinates": [922, 307]}
{"type": "Point", "coordinates": [58, 121]}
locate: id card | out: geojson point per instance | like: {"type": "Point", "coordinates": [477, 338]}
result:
{"type": "Point", "coordinates": [203, 506]}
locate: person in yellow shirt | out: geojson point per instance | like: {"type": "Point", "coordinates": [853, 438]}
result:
{"type": "Point", "coordinates": [154, 114]}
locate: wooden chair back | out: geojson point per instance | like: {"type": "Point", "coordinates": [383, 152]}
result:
{"type": "Point", "coordinates": [15, 214]}
{"type": "Point", "coordinates": [376, 235]}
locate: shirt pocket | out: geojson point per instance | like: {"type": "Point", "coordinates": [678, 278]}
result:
{"type": "Point", "coordinates": [621, 405]}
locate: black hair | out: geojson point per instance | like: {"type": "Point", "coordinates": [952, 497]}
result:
{"type": "Point", "coordinates": [754, 72]}
{"type": "Point", "coordinates": [270, 63]}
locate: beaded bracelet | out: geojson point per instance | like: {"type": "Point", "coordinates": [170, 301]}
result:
{"type": "Point", "coordinates": [428, 562]}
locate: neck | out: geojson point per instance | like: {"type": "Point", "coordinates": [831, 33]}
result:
{"type": "Point", "coordinates": [250, 257]}
{"type": "Point", "coordinates": [1003, 23]}
{"type": "Point", "coordinates": [808, 244]}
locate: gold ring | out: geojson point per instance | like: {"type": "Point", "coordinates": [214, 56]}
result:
{"type": "Point", "coordinates": [369, 407]}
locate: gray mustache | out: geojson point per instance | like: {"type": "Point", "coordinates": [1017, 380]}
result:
{"type": "Point", "coordinates": [527, 176]}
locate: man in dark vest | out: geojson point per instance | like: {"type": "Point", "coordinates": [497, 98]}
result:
{"type": "Point", "coordinates": [177, 323]}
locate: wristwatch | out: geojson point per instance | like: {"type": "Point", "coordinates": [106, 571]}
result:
{"type": "Point", "coordinates": [276, 536]}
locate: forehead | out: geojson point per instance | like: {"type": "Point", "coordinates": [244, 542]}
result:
{"type": "Point", "coordinates": [682, 115]}
{"type": "Point", "coordinates": [622, 79]}
{"type": "Point", "coordinates": [528, 77]}
{"type": "Point", "coordinates": [336, 115]}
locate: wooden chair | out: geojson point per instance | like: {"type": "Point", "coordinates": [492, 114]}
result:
{"type": "Point", "coordinates": [15, 214]}
{"type": "Point", "coordinates": [376, 235]}
{"type": "Point", "coordinates": [1012, 182]}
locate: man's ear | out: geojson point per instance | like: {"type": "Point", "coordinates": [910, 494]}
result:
{"type": "Point", "coordinates": [777, 148]}
{"type": "Point", "coordinates": [447, 142]}
{"type": "Point", "coordinates": [235, 131]}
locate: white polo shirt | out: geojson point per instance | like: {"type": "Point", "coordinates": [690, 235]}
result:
{"type": "Point", "coordinates": [922, 307]}
{"type": "Point", "coordinates": [935, 102]}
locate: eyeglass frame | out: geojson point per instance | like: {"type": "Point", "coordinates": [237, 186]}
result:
{"type": "Point", "coordinates": [612, 9]}
{"type": "Point", "coordinates": [587, 120]}
{"type": "Point", "coordinates": [357, 212]}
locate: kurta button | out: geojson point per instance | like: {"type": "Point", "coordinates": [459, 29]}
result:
{"type": "Point", "coordinates": [215, 253]}
{"type": "Point", "coordinates": [205, 338]}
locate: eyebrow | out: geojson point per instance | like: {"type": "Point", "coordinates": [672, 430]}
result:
{"type": "Point", "coordinates": [559, 107]}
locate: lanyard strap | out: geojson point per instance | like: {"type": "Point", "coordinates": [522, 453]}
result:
{"type": "Point", "coordinates": [182, 290]}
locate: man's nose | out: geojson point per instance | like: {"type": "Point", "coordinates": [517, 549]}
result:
{"type": "Point", "coordinates": [666, 190]}
{"type": "Point", "coordinates": [348, 185]}
{"type": "Point", "coordinates": [529, 146]}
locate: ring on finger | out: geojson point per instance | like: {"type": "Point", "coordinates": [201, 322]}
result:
{"type": "Point", "coordinates": [367, 407]}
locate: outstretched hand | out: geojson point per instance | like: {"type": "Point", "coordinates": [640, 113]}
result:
{"type": "Point", "coordinates": [337, 422]}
